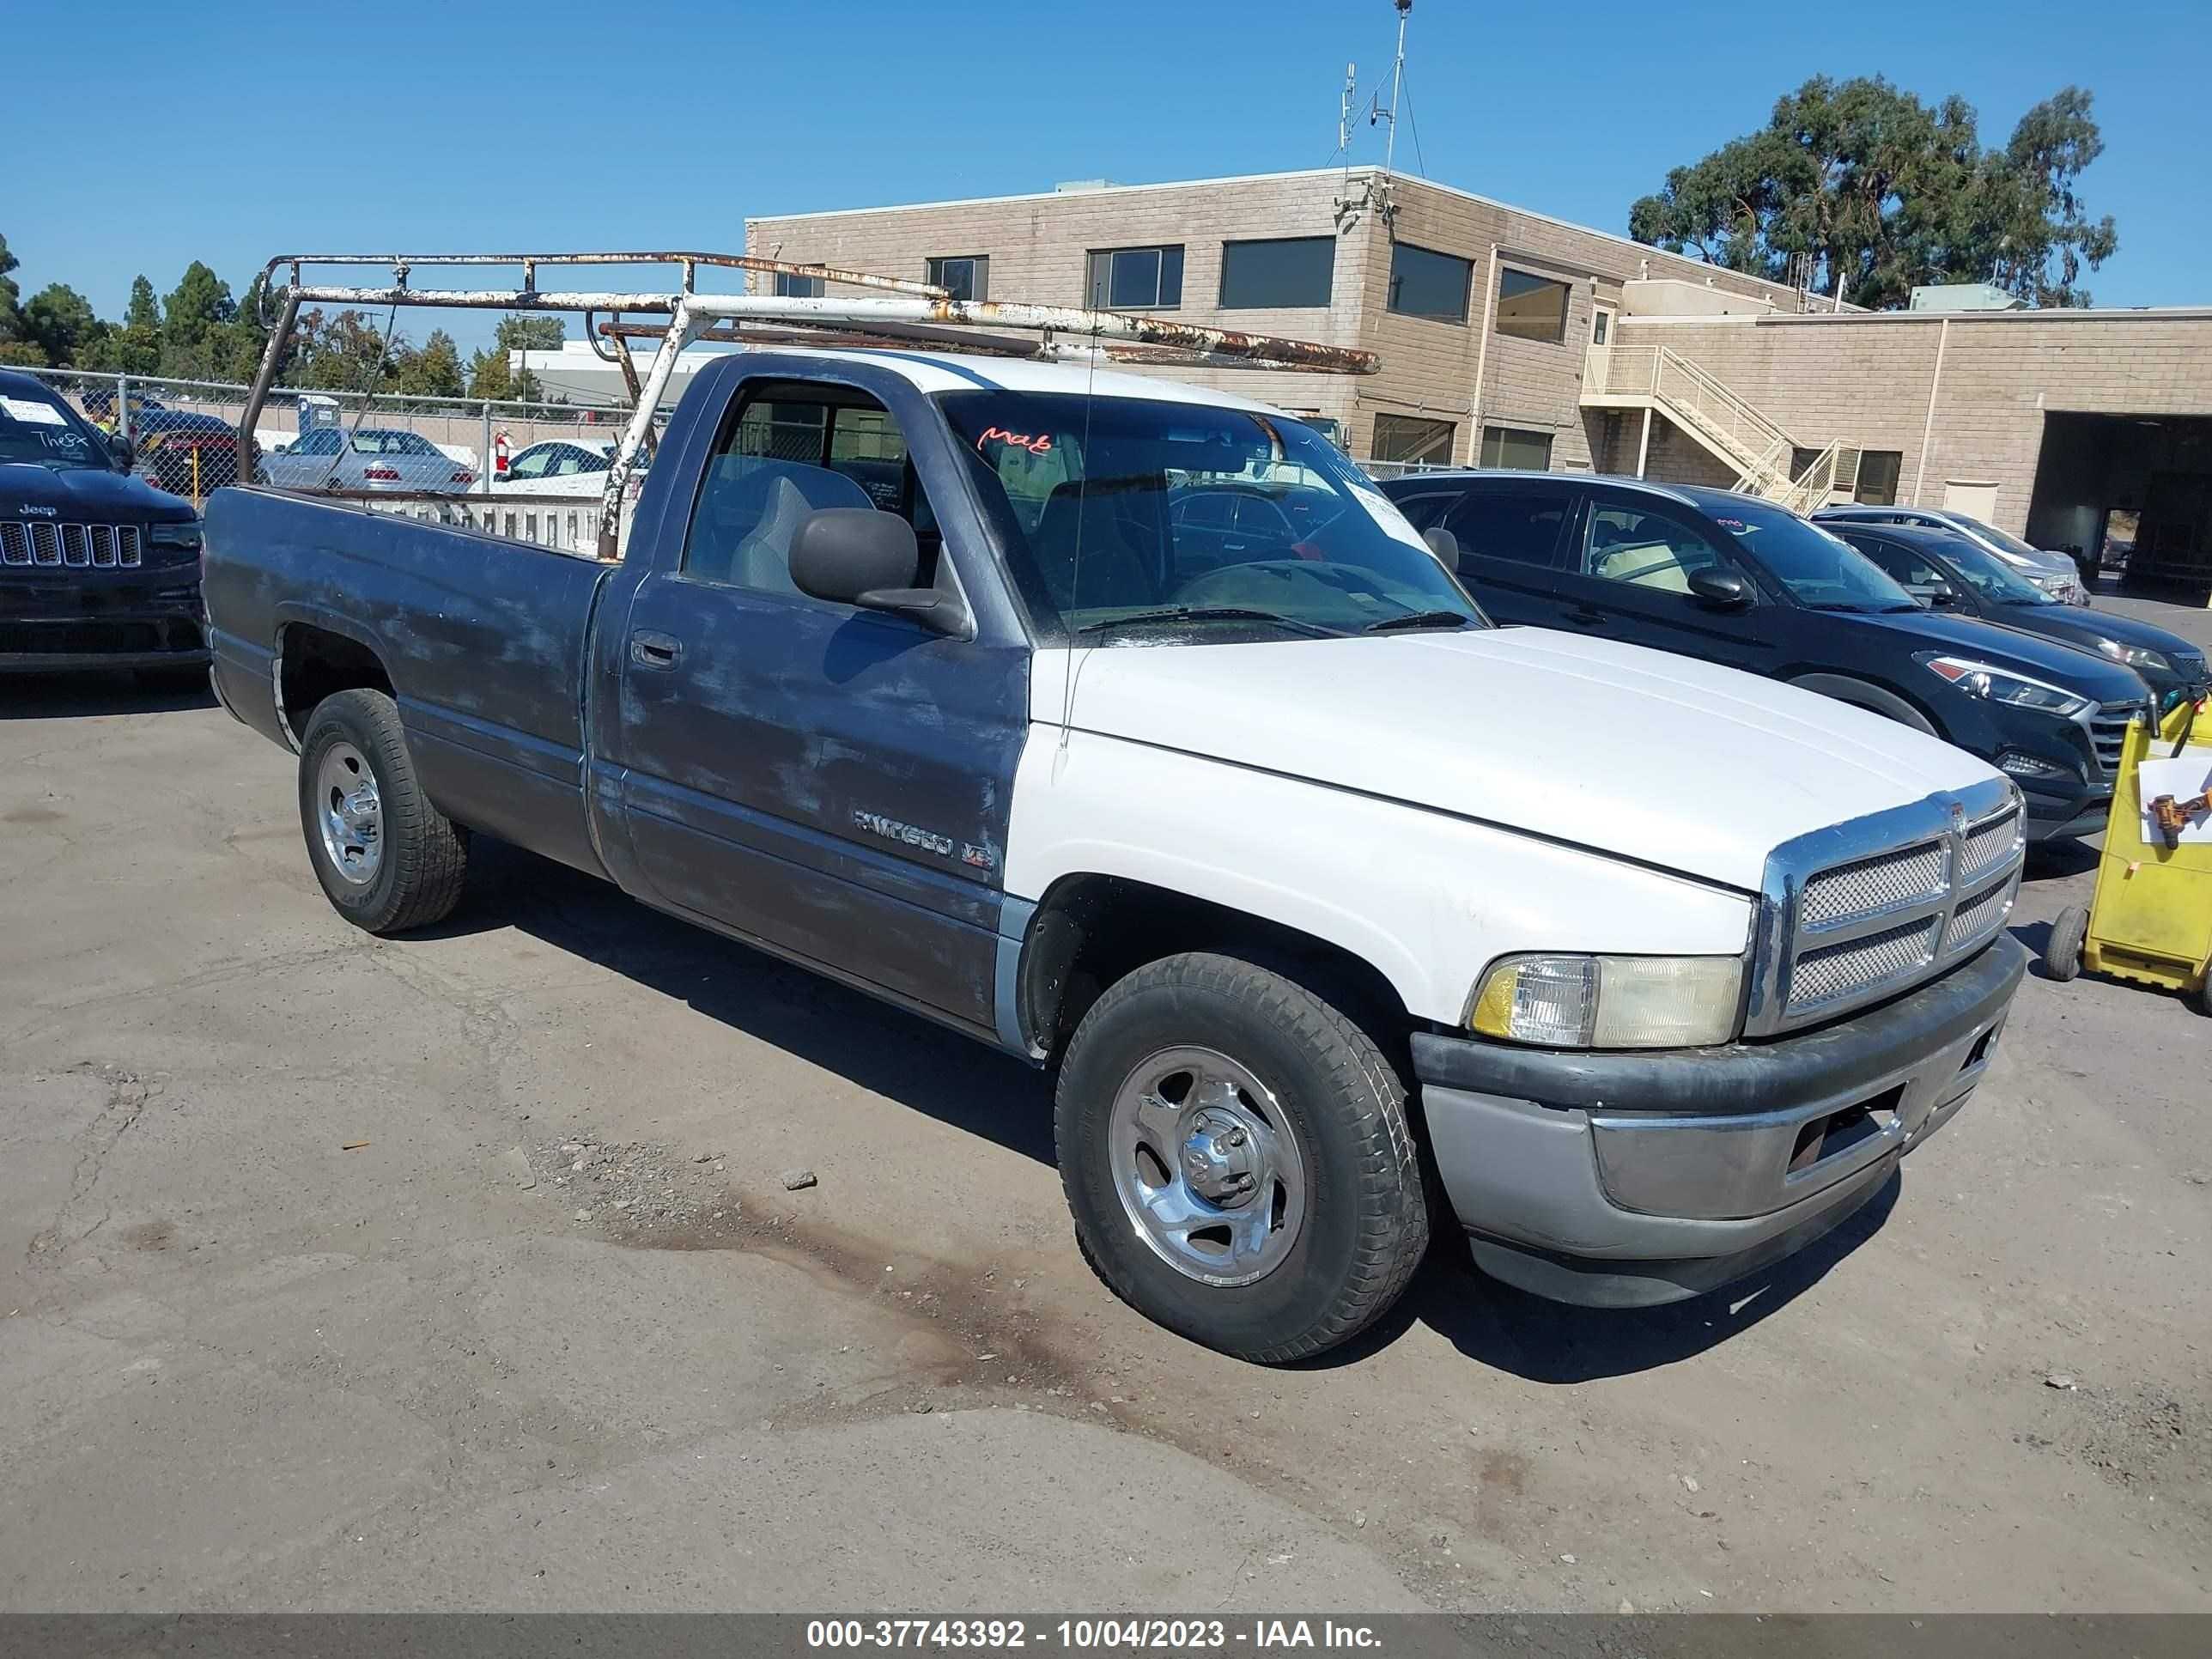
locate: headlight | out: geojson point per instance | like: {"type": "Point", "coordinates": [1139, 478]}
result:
{"type": "Point", "coordinates": [1610, 1002]}
{"type": "Point", "coordinates": [184, 536]}
{"type": "Point", "coordinates": [1979, 679]}
{"type": "Point", "coordinates": [2135, 656]}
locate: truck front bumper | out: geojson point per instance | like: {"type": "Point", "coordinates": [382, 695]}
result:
{"type": "Point", "coordinates": [1628, 1179]}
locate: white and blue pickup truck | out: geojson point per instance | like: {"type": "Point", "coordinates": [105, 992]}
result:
{"type": "Point", "coordinates": [1126, 725]}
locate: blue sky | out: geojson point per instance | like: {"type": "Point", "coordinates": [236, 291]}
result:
{"type": "Point", "coordinates": [228, 132]}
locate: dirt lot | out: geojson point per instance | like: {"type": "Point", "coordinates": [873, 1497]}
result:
{"type": "Point", "coordinates": [460, 1272]}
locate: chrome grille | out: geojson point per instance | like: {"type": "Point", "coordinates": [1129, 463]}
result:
{"type": "Point", "coordinates": [1872, 885]}
{"type": "Point", "coordinates": [1987, 844]}
{"type": "Point", "coordinates": [75, 546]}
{"type": "Point", "coordinates": [2108, 726]}
{"type": "Point", "coordinates": [1869, 908]}
{"type": "Point", "coordinates": [1834, 972]}
{"type": "Point", "coordinates": [1980, 916]}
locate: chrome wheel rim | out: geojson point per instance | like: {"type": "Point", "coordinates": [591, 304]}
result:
{"type": "Point", "coordinates": [351, 815]}
{"type": "Point", "coordinates": [1207, 1166]}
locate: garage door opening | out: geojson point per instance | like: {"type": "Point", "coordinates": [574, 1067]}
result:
{"type": "Point", "coordinates": [2133, 489]}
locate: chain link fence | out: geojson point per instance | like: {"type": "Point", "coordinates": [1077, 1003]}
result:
{"type": "Point", "coordinates": [533, 472]}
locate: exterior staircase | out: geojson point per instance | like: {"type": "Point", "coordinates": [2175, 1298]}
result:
{"type": "Point", "coordinates": [1653, 378]}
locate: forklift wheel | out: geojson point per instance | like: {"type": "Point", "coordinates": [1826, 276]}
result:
{"type": "Point", "coordinates": [2062, 953]}
{"type": "Point", "coordinates": [2203, 997]}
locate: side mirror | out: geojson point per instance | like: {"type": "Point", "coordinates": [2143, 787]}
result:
{"type": "Point", "coordinates": [121, 451]}
{"type": "Point", "coordinates": [1941, 595]}
{"type": "Point", "coordinates": [1724, 589]}
{"type": "Point", "coordinates": [1444, 545]}
{"type": "Point", "coordinates": [858, 556]}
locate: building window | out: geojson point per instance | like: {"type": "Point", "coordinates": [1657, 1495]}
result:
{"type": "Point", "coordinates": [1292, 272]}
{"type": "Point", "coordinates": [1424, 284]}
{"type": "Point", "coordinates": [967, 277]}
{"type": "Point", "coordinates": [1878, 470]}
{"type": "Point", "coordinates": [788, 287]}
{"type": "Point", "coordinates": [1136, 279]}
{"type": "Point", "coordinates": [1408, 438]}
{"type": "Point", "coordinates": [1531, 307]}
{"type": "Point", "coordinates": [1517, 447]}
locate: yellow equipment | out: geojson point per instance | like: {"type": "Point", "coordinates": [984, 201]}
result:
{"type": "Point", "coordinates": [2150, 918]}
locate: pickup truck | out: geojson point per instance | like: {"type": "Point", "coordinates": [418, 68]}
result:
{"type": "Point", "coordinates": [1340, 914]}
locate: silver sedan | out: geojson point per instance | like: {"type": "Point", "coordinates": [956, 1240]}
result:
{"type": "Point", "coordinates": [374, 460]}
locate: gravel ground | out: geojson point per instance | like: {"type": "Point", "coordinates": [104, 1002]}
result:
{"type": "Point", "coordinates": [476, 1269]}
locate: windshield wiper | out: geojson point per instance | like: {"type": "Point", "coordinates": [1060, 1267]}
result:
{"type": "Point", "coordinates": [1849, 609]}
{"type": "Point", "coordinates": [1182, 613]}
{"type": "Point", "coordinates": [1413, 619]}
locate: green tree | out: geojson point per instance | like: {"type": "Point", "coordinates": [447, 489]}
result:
{"type": "Point", "coordinates": [432, 371]}
{"type": "Point", "coordinates": [23, 353]}
{"type": "Point", "coordinates": [340, 353]}
{"type": "Point", "coordinates": [1859, 183]}
{"type": "Point", "coordinates": [193, 318]}
{"type": "Point", "coordinates": [11, 320]}
{"type": "Point", "coordinates": [136, 347]}
{"type": "Point", "coordinates": [62, 321]}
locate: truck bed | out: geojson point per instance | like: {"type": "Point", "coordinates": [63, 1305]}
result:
{"type": "Point", "coordinates": [484, 640]}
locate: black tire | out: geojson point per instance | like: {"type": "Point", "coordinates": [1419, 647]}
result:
{"type": "Point", "coordinates": [2201, 999]}
{"type": "Point", "coordinates": [1366, 1218]}
{"type": "Point", "coordinates": [2062, 952]}
{"type": "Point", "coordinates": [422, 857]}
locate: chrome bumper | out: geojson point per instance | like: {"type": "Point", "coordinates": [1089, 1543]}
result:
{"type": "Point", "coordinates": [1627, 1180]}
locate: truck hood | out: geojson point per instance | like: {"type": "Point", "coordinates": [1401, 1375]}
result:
{"type": "Point", "coordinates": [1640, 753]}
{"type": "Point", "coordinates": [79, 494]}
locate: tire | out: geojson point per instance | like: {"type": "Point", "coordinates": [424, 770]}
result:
{"type": "Point", "coordinates": [390, 861]}
{"type": "Point", "coordinates": [1308, 1089]}
{"type": "Point", "coordinates": [2062, 952]}
{"type": "Point", "coordinates": [2201, 999]}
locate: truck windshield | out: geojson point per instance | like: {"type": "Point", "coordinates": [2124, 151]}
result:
{"type": "Point", "coordinates": [1820, 570]}
{"type": "Point", "coordinates": [1156, 520]}
{"type": "Point", "coordinates": [38, 429]}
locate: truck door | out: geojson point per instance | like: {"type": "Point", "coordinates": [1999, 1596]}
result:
{"type": "Point", "coordinates": [830, 782]}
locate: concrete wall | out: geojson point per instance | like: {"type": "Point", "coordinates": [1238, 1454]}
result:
{"type": "Point", "coordinates": [1038, 244]}
{"type": "Point", "coordinates": [1871, 379]}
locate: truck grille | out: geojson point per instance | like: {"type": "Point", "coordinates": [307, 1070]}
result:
{"type": "Point", "coordinates": [1873, 884]}
{"type": "Point", "coordinates": [1870, 909]}
{"type": "Point", "coordinates": [78, 546]}
{"type": "Point", "coordinates": [2108, 726]}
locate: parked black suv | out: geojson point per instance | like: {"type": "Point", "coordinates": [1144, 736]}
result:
{"type": "Point", "coordinates": [1948, 572]}
{"type": "Point", "coordinates": [1737, 580]}
{"type": "Point", "coordinates": [98, 568]}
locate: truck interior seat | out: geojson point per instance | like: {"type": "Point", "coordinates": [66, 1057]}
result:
{"type": "Point", "coordinates": [1083, 526]}
{"type": "Point", "coordinates": [749, 511]}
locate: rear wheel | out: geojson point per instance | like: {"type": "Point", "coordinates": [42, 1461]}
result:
{"type": "Point", "coordinates": [387, 859]}
{"type": "Point", "coordinates": [1235, 1153]}
{"type": "Point", "coordinates": [2062, 952]}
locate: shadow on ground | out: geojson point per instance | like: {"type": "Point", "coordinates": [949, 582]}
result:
{"type": "Point", "coordinates": [899, 1055]}
{"type": "Point", "coordinates": [961, 1082]}
{"type": "Point", "coordinates": [74, 696]}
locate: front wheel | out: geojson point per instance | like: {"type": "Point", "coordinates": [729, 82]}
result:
{"type": "Point", "coordinates": [2062, 952]}
{"type": "Point", "coordinates": [1235, 1153]}
{"type": "Point", "coordinates": [387, 859]}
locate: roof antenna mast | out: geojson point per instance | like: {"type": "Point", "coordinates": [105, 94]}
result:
{"type": "Point", "coordinates": [1397, 81]}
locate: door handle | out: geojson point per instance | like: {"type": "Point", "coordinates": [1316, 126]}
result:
{"type": "Point", "coordinates": [650, 650]}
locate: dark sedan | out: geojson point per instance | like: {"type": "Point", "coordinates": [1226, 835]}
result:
{"type": "Point", "coordinates": [1946, 572]}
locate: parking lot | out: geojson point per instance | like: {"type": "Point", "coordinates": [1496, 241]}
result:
{"type": "Point", "coordinates": [472, 1270]}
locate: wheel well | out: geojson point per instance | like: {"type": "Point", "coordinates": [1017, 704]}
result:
{"type": "Point", "coordinates": [1090, 930]}
{"type": "Point", "coordinates": [1874, 698]}
{"type": "Point", "coordinates": [316, 663]}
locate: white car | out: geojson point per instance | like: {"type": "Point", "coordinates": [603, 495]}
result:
{"type": "Point", "coordinates": [559, 466]}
